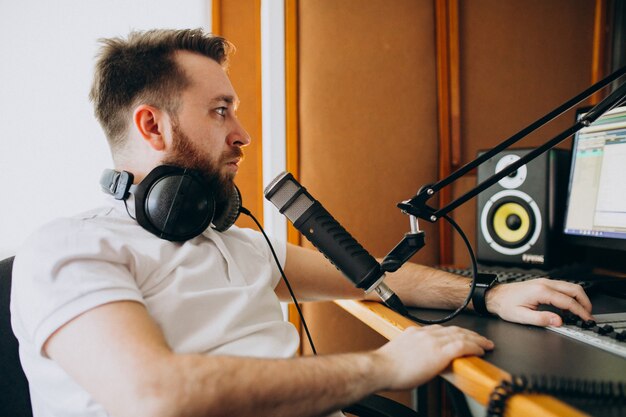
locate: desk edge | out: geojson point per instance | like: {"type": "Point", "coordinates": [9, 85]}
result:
{"type": "Point", "coordinates": [472, 375]}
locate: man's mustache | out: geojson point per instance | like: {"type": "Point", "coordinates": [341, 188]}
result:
{"type": "Point", "coordinates": [234, 153]}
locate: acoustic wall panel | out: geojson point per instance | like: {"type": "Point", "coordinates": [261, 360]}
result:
{"type": "Point", "coordinates": [518, 61]}
{"type": "Point", "coordinates": [240, 24]}
{"type": "Point", "coordinates": [368, 116]}
{"type": "Point", "coordinates": [368, 130]}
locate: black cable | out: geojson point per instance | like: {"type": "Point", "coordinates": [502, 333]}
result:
{"type": "Point", "coordinates": [402, 310]}
{"type": "Point", "coordinates": [282, 273]}
{"type": "Point", "coordinates": [472, 285]}
{"type": "Point", "coordinates": [128, 211]}
{"type": "Point", "coordinates": [605, 392]}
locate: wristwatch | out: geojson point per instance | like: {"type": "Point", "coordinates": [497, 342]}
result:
{"type": "Point", "coordinates": [484, 282]}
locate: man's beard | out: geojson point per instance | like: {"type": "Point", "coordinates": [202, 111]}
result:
{"type": "Point", "coordinates": [185, 154]}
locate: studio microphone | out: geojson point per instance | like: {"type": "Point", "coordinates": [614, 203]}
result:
{"type": "Point", "coordinates": [330, 238]}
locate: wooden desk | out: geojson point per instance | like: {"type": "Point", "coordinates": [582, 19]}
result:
{"type": "Point", "coordinates": [519, 349]}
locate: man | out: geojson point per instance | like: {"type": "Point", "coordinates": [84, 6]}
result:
{"type": "Point", "coordinates": [113, 320]}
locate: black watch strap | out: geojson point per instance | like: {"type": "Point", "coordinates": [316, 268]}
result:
{"type": "Point", "coordinates": [483, 283]}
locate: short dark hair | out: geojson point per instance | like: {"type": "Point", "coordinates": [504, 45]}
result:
{"type": "Point", "coordinates": [142, 68]}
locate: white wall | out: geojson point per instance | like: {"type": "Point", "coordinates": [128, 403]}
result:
{"type": "Point", "coordinates": [274, 124]}
{"type": "Point", "coordinates": [52, 150]}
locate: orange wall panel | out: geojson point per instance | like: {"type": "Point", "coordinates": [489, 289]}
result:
{"type": "Point", "coordinates": [368, 131]}
{"type": "Point", "coordinates": [240, 23]}
{"type": "Point", "coordinates": [518, 61]}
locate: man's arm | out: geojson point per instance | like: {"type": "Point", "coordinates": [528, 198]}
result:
{"type": "Point", "coordinates": [516, 302]}
{"type": "Point", "coordinates": [313, 277]}
{"type": "Point", "coordinates": [119, 355]}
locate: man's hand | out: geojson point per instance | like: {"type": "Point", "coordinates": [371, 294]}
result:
{"type": "Point", "coordinates": [418, 354]}
{"type": "Point", "coordinates": [518, 302]}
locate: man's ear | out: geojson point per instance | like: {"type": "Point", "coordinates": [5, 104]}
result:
{"type": "Point", "coordinates": [151, 124]}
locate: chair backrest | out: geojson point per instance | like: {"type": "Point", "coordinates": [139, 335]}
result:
{"type": "Point", "coordinates": [14, 394]}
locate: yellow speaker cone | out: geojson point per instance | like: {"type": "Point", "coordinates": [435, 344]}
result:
{"type": "Point", "coordinates": [511, 222]}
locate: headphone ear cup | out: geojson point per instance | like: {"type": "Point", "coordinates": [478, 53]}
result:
{"type": "Point", "coordinates": [224, 220]}
{"type": "Point", "coordinates": [174, 203]}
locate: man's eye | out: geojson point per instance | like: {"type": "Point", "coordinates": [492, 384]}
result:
{"type": "Point", "coordinates": [221, 111]}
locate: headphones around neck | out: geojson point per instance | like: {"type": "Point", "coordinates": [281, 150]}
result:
{"type": "Point", "coordinates": [173, 203]}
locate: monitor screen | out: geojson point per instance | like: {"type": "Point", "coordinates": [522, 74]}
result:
{"type": "Point", "coordinates": [596, 201]}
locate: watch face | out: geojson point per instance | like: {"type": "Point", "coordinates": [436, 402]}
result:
{"type": "Point", "coordinates": [486, 280]}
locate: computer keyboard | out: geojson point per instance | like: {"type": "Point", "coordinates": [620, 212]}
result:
{"type": "Point", "coordinates": [607, 332]}
{"type": "Point", "coordinates": [506, 275]}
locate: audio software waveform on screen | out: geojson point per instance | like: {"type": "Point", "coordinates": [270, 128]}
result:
{"type": "Point", "coordinates": [596, 203]}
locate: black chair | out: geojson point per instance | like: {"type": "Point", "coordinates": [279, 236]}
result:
{"type": "Point", "coordinates": [377, 406]}
{"type": "Point", "coordinates": [14, 394]}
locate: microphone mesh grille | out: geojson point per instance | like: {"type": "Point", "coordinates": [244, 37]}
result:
{"type": "Point", "coordinates": [298, 207]}
{"type": "Point", "coordinates": [283, 194]}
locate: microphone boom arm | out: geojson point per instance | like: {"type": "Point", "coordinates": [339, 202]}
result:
{"type": "Point", "coordinates": [417, 206]}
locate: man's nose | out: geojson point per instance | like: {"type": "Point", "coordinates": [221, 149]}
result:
{"type": "Point", "coordinates": [239, 136]}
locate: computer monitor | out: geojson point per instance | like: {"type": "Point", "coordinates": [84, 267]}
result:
{"type": "Point", "coordinates": [595, 213]}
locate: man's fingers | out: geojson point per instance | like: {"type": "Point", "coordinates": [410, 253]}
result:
{"type": "Point", "coordinates": [418, 354]}
{"type": "Point", "coordinates": [538, 318]}
{"type": "Point", "coordinates": [565, 301]}
{"type": "Point", "coordinates": [573, 290]}
{"type": "Point", "coordinates": [462, 341]}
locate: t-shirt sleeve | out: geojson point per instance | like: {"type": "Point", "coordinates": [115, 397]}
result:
{"type": "Point", "coordinates": [64, 270]}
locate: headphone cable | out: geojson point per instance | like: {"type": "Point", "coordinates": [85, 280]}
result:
{"type": "Point", "coordinates": [282, 273]}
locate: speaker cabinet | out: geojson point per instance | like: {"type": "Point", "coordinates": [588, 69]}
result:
{"type": "Point", "coordinates": [520, 218]}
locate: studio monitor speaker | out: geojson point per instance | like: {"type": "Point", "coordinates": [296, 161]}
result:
{"type": "Point", "coordinates": [520, 218]}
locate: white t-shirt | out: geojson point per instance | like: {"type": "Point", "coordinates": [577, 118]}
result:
{"type": "Point", "coordinates": [212, 294]}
